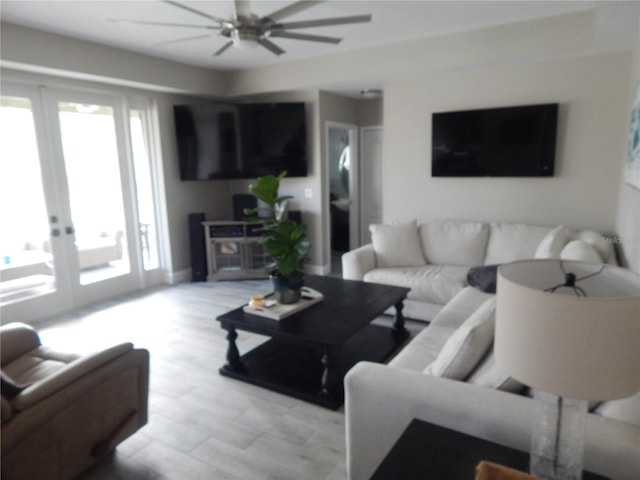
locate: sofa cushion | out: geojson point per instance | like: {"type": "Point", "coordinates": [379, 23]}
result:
{"type": "Point", "coordinates": [429, 283]}
{"type": "Point", "coordinates": [396, 245]}
{"type": "Point", "coordinates": [38, 364]}
{"type": "Point", "coordinates": [509, 242]}
{"type": "Point", "coordinates": [467, 345]}
{"type": "Point", "coordinates": [625, 409]}
{"type": "Point", "coordinates": [489, 375]}
{"type": "Point", "coordinates": [580, 251]}
{"type": "Point", "coordinates": [454, 242]}
{"type": "Point", "coordinates": [553, 243]}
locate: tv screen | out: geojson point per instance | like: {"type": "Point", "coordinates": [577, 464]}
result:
{"type": "Point", "coordinates": [227, 141]}
{"type": "Point", "coordinates": [497, 142]}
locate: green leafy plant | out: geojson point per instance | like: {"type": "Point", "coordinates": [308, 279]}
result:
{"type": "Point", "coordinates": [284, 240]}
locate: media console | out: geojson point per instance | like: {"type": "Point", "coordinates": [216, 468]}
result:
{"type": "Point", "coordinates": [234, 251]}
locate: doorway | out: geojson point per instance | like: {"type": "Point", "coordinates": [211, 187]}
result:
{"type": "Point", "coordinates": [344, 189]}
{"type": "Point", "coordinates": [71, 222]}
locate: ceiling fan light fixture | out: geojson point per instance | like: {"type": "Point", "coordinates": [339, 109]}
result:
{"type": "Point", "coordinates": [245, 38]}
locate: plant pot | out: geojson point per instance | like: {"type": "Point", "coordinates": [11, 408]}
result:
{"type": "Point", "coordinates": [287, 289]}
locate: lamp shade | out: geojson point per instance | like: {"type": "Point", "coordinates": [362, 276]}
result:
{"type": "Point", "coordinates": [583, 347]}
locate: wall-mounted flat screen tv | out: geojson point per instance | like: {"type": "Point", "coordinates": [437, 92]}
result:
{"type": "Point", "coordinates": [228, 141]}
{"type": "Point", "coordinates": [496, 142]}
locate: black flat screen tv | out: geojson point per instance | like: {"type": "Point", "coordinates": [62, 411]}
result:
{"type": "Point", "coordinates": [230, 141]}
{"type": "Point", "coordinates": [496, 142]}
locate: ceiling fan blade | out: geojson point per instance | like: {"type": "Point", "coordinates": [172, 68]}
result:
{"type": "Point", "coordinates": [290, 10]}
{"type": "Point", "coordinates": [269, 45]}
{"type": "Point", "coordinates": [322, 22]}
{"type": "Point", "coordinates": [304, 36]}
{"type": "Point", "coordinates": [169, 42]}
{"type": "Point", "coordinates": [243, 9]}
{"type": "Point", "coordinates": [164, 24]}
{"type": "Point", "coordinates": [223, 48]}
{"type": "Point", "coordinates": [197, 12]}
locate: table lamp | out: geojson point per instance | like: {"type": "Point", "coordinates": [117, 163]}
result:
{"type": "Point", "coordinates": [570, 331]}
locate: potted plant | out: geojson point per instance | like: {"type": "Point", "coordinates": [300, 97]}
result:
{"type": "Point", "coordinates": [284, 240]}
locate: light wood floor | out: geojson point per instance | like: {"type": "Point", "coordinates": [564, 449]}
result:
{"type": "Point", "coordinates": [203, 426]}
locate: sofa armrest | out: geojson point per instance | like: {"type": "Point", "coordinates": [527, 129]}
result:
{"type": "Point", "coordinates": [67, 375]}
{"type": "Point", "coordinates": [358, 262]}
{"type": "Point", "coordinates": [381, 401]}
{"type": "Point", "coordinates": [16, 339]}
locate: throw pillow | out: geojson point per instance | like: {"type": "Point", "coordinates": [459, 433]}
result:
{"type": "Point", "coordinates": [484, 278]}
{"type": "Point", "coordinates": [396, 245]}
{"type": "Point", "coordinates": [581, 251]}
{"type": "Point", "coordinates": [488, 374]}
{"type": "Point", "coordinates": [600, 243]}
{"type": "Point", "coordinates": [553, 243]}
{"type": "Point", "coordinates": [467, 345]}
{"type": "Point", "coordinates": [625, 409]}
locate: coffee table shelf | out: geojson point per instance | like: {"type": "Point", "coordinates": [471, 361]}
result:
{"type": "Point", "coordinates": [296, 370]}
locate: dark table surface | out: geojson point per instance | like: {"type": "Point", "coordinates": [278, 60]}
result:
{"type": "Point", "coordinates": [428, 451]}
{"type": "Point", "coordinates": [348, 306]}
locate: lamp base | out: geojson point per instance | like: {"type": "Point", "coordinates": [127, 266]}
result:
{"type": "Point", "coordinates": [557, 441]}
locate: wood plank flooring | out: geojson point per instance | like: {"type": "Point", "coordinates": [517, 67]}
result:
{"type": "Point", "coordinates": [203, 426]}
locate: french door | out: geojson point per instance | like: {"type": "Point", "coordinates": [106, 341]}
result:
{"type": "Point", "coordinates": [72, 229]}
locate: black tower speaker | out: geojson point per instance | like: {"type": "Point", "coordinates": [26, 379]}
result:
{"type": "Point", "coordinates": [197, 248]}
{"type": "Point", "coordinates": [295, 215]}
{"type": "Point", "coordinates": [240, 202]}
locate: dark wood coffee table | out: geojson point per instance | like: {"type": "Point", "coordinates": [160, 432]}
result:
{"type": "Point", "coordinates": [310, 352]}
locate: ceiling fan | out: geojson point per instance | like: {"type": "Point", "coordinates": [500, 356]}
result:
{"type": "Point", "coordinates": [247, 30]}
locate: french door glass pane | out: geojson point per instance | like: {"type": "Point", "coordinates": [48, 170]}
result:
{"type": "Point", "coordinates": [26, 264]}
{"type": "Point", "coordinates": [95, 189]}
{"type": "Point", "coordinates": [144, 191]}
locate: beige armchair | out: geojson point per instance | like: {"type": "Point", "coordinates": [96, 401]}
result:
{"type": "Point", "coordinates": [62, 412]}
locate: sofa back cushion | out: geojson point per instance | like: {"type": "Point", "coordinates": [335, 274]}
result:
{"type": "Point", "coordinates": [396, 245]}
{"type": "Point", "coordinates": [509, 242]}
{"type": "Point", "coordinates": [453, 242]}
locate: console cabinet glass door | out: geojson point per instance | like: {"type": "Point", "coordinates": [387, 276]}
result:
{"type": "Point", "coordinates": [228, 255]}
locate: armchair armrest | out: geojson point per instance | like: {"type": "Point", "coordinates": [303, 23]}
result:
{"type": "Point", "coordinates": [358, 262]}
{"type": "Point", "coordinates": [67, 375]}
{"type": "Point", "coordinates": [16, 339]}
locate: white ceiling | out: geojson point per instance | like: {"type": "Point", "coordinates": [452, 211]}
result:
{"type": "Point", "coordinates": [393, 21]}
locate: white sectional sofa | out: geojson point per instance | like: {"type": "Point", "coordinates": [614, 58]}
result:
{"type": "Point", "coordinates": [433, 257]}
{"type": "Point", "coordinates": [447, 376]}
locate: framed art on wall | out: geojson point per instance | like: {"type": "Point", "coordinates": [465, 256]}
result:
{"type": "Point", "coordinates": [632, 173]}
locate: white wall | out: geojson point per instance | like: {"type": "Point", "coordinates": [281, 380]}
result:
{"type": "Point", "coordinates": [628, 214]}
{"type": "Point", "coordinates": [43, 52]}
{"type": "Point", "coordinates": [592, 126]}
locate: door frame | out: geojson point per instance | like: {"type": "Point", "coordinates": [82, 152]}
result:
{"type": "Point", "coordinates": [90, 293]}
{"type": "Point", "coordinates": [354, 184]}
{"type": "Point", "coordinates": [68, 295]}
{"type": "Point", "coordinates": [366, 190]}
